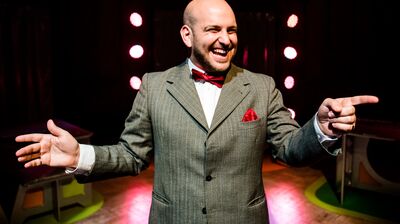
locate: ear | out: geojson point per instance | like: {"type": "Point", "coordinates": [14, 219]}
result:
{"type": "Point", "coordinates": [186, 34]}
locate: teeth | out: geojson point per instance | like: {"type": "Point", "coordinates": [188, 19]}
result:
{"type": "Point", "coordinates": [219, 51]}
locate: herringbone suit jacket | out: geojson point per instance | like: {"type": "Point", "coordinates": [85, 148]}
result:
{"type": "Point", "coordinates": [205, 174]}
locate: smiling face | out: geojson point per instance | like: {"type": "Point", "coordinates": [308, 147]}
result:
{"type": "Point", "coordinates": [210, 31]}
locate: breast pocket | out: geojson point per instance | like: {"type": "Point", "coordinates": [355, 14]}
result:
{"type": "Point", "coordinates": [252, 131]}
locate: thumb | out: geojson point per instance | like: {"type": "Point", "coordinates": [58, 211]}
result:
{"type": "Point", "coordinates": [53, 128]}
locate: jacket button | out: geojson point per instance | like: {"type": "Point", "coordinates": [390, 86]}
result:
{"type": "Point", "coordinates": [204, 210]}
{"type": "Point", "coordinates": [208, 178]}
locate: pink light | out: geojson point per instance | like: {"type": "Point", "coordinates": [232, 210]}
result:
{"type": "Point", "coordinates": [136, 19]}
{"type": "Point", "coordinates": [245, 56]}
{"type": "Point", "coordinates": [138, 203]}
{"type": "Point", "coordinates": [135, 82]}
{"type": "Point", "coordinates": [292, 21]}
{"type": "Point", "coordinates": [292, 112]}
{"type": "Point", "coordinates": [265, 54]}
{"type": "Point", "coordinates": [289, 82]}
{"type": "Point", "coordinates": [137, 199]}
{"type": "Point", "coordinates": [136, 51]}
{"type": "Point", "coordinates": [290, 52]}
{"type": "Point", "coordinates": [284, 198]}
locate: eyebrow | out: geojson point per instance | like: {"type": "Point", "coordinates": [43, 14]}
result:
{"type": "Point", "coordinates": [219, 27]}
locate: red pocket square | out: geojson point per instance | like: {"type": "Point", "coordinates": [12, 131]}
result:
{"type": "Point", "coordinates": [250, 115]}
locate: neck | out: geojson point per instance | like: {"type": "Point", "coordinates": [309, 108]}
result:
{"type": "Point", "coordinates": [213, 73]}
{"type": "Point", "coordinates": [223, 73]}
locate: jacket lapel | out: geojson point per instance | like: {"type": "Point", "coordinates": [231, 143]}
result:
{"type": "Point", "coordinates": [235, 89]}
{"type": "Point", "coordinates": [182, 88]}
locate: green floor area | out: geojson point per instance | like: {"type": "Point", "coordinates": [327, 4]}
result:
{"type": "Point", "coordinates": [369, 205]}
{"type": "Point", "coordinates": [72, 214]}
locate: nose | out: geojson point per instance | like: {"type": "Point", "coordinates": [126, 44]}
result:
{"type": "Point", "coordinates": [224, 38]}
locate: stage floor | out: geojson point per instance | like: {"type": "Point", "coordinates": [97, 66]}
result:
{"type": "Point", "coordinates": [127, 199]}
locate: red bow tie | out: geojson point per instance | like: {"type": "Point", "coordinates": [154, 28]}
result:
{"type": "Point", "coordinates": [215, 80]}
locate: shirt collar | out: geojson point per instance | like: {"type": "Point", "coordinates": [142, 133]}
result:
{"type": "Point", "coordinates": [193, 66]}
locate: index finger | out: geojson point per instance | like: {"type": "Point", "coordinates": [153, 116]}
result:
{"type": "Point", "coordinates": [362, 99]}
{"type": "Point", "coordinates": [29, 138]}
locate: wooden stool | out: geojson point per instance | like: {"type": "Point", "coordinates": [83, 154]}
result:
{"type": "Point", "coordinates": [47, 194]}
{"type": "Point", "coordinates": [33, 191]}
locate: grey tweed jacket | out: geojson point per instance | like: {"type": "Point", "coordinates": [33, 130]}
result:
{"type": "Point", "coordinates": [205, 175]}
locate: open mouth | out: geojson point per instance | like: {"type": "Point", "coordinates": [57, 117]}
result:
{"type": "Point", "coordinates": [220, 55]}
{"type": "Point", "coordinates": [220, 52]}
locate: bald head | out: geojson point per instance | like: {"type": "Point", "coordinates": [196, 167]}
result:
{"type": "Point", "coordinates": [196, 8]}
{"type": "Point", "coordinates": [209, 31]}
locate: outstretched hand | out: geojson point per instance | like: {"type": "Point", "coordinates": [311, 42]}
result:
{"type": "Point", "coordinates": [58, 149]}
{"type": "Point", "coordinates": [338, 116]}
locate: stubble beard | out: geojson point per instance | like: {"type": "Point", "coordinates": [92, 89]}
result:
{"type": "Point", "coordinates": [207, 66]}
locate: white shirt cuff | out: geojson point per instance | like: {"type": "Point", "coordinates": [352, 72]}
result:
{"type": "Point", "coordinates": [86, 160]}
{"type": "Point", "coordinates": [325, 140]}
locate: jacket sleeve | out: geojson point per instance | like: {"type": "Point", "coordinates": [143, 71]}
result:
{"type": "Point", "coordinates": [290, 143]}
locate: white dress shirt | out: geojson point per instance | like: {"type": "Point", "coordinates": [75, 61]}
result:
{"type": "Point", "coordinates": [208, 94]}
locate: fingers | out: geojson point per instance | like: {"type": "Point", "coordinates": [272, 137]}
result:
{"type": "Point", "coordinates": [357, 100]}
{"type": "Point", "coordinates": [28, 157]}
{"type": "Point", "coordinates": [33, 163]}
{"type": "Point", "coordinates": [31, 159]}
{"type": "Point", "coordinates": [337, 105]}
{"type": "Point", "coordinates": [30, 154]}
{"type": "Point", "coordinates": [29, 138]}
{"type": "Point", "coordinates": [343, 120]}
{"type": "Point", "coordinates": [36, 137]}
{"type": "Point", "coordinates": [351, 119]}
{"type": "Point", "coordinates": [53, 128]}
{"type": "Point", "coordinates": [30, 149]}
{"type": "Point", "coordinates": [343, 124]}
{"type": "Point", "coordinates": [344, 111]}
{"type": "Point", "coordinates": [344, 127]}
{"type": "Point", "coordinates": [338, 116]}
{"type": "Point", "coordinates": [41, 146]}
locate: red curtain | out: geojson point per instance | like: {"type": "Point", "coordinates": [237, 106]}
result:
{"type": "Point", "coordinates": [25, 64]}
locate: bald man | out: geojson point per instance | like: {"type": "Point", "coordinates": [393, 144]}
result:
{"type": "Point", "coordinates": [206, 122]}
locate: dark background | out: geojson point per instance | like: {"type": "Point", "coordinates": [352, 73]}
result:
{"type": "Point", "coordinates": [69, 60]}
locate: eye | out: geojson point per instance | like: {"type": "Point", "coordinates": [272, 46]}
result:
{"type": "Point", "coordinates": [232, 30]}
{"type": "Point", "coordinates": [213, 29]}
